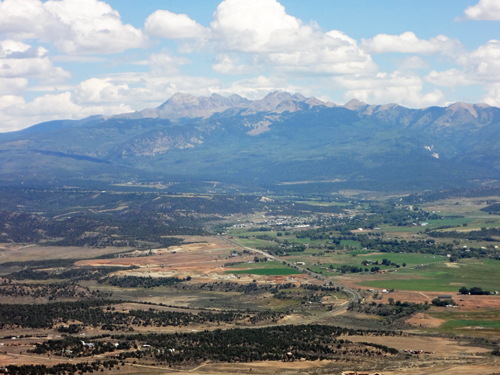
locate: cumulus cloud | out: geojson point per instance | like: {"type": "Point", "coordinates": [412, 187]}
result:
{"type": "Point", "coordinates": [19, 61]}
{"type": "Point", "coordinates": [7, 101]}
{"type": "Point", "coordinates": [484, 62]}
{"type": "Point", "coordinates": [12, 86]}
{"type": "Point", "coordinates": [16, 113]}
{"type": "Point", "coordinates": [450, 78]}
{"type": "Point", "coordinates": [256, 26]}
{"type": "Point", "coordinates": [493, 96]}
{"type": "Point", "coordinates": [395, 87]}
{"type": "Point", "coordinates": [485, 10]}
{"type": "Point", "coordinates": [226, 64]}
{"type": "Point", "coordinates": [409, 43]}
{"type": "Point", "coordinates": [481, 66]}
{"type": "Point", "coordinates": [168, 25]}
{"type": "Point", "coordinates": [163, 64]}
{"type": "Point", "coordinates": [73, 26]}
{"type": "Point", "coordinates": [263, 30]}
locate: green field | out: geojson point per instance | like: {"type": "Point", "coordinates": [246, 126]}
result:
{"type": "Point", "coordinates": [441, 278]}
{"type": "Point", "coordinates": [470, 322]}
{"type": "Point", "coordinates": [432, 224]}
{"type": "Point", "coordinates": [409, 259]}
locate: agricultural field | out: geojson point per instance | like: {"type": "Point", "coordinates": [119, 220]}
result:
{"type": "Point", "coordinates": [441, 276]}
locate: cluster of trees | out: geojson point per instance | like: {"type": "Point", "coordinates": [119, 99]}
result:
{"type": "Point", "coordinates": [475, 291]}
{"type": "Point", "coordinates": [485, 234]}
{"type": "Point", "coordinates": [92, 313]}
{"type": "Point", "coordinates": [443, 302]}
{"type": "Point", "coordinates": [431, 196]}
{"type": "Point", "coordinates": [84, 273]}
{"type": "Point", "coordinates": [61, 368]}
{"type": "Point", "coordinates": [311, 342]}
{"type": "Point", "coordinates": [74, 347]}
{"type": "Point", "coordinates": [349, 269]}
{"type": "Point", "coordinates": [282, 247]}
{"type": "Point", "coordinates": [50, 291]}
{"type": "Point", "coordinates": [130, 228]}
{"type": "Point", "coordinates": [141, 282]}
{"type": "Point", "coordinates": [44, 263]}
{"type": "Point", "coordinates": [392, 311]}
{"type": "Point", "coordinates": [223, 286]}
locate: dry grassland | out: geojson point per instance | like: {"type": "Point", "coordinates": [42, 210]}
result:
{"type": "Point", "coordinates": [444, 348]}
{"type": "Point", "coordinates": [21, 253]}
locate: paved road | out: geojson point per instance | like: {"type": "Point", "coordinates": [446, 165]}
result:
{"type": "Point", "coordinates": [353, 294]}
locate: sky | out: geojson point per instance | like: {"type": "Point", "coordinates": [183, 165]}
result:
{"type": "Point", "coordinates": [70, 59]}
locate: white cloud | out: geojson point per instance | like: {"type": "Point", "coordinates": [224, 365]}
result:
{"type": "Point", "coordinates": [140, 90]}
{"type": "Point", "coordinates": [493, 96]}
{"type": "Point", "coordinates": [13, 49]}
{"type": "Point", "coordinates": [485, 10]}
{"type": "Point", "coordinates": [17, 114]}
{"type": "Point", "coordinates": [7, 101]}
{"type": "Point", "coordinates": [13, 86]}
{"type": "Point", "coordinates": [255, 26]}
{"type": "Point", "coordinates": [409, 43]}
{"type": "Point", "coordinates": [77, 58]}
{"type": "Point", "coordinates": [280, 41]}
{"type": "Point", "coordinates": [412, 62]}
{"type": "Point", "coordinates": [73, 26]}
{"type": "Point", "coordinates": [18, 63]}
{"type": "Point", "coordinates": [163, 64]}
{"type": "Point", "coordinates": [484, 62]}
{"type": "Point", "coordinates": [450, 78]}
{"type": "Point", "coordinates": [258, 87]}
{"type": "Point", "coordinates": [263, 30]}
{"type": "Point", "coordinates": [226, 64]}
{"type": "Point", "coordinates": [481, 66]}
{"type": "Point", "coordinates": [97, 90]}
{"type": "Point", "coordinates": [396, 87]}
{"type": "Point", "coordinates": [168, 25]}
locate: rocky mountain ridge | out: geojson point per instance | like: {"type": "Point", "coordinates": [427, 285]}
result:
{"type": "Point", "coordinates": [280, 138]}
{"type": "Point", "coordinates": [182, 105]}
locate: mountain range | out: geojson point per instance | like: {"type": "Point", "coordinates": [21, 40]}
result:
{"type": "Point", "coordinates": [283, 141]}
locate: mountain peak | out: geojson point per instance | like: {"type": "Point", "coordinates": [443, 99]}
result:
{"type": "Point", "coordinates": [354, 104]}
{"type": "Point", "coordinates": [181, 97]}
{"type": "Point", "coordinates": [461, 106]}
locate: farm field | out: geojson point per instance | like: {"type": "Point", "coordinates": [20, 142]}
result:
{"type": "Point", "coordinates": [441, 277]}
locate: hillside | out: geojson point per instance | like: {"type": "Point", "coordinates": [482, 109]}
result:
{"type": "Point", "coordinates": [280, 139]}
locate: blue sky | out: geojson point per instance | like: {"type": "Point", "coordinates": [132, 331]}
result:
{"type": "Point", "coordinates": [76, 58]}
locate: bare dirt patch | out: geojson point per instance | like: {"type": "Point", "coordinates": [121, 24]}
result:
{"type": "Point", "coordinates": [441, 346]}
{"type": "Point", "coordinates": [422, 320]}
{"type": "Point", "coordinates": [477, 303]}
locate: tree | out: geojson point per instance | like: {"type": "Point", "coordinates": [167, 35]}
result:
{"type": "Point", "coordinates": [463, 290]}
